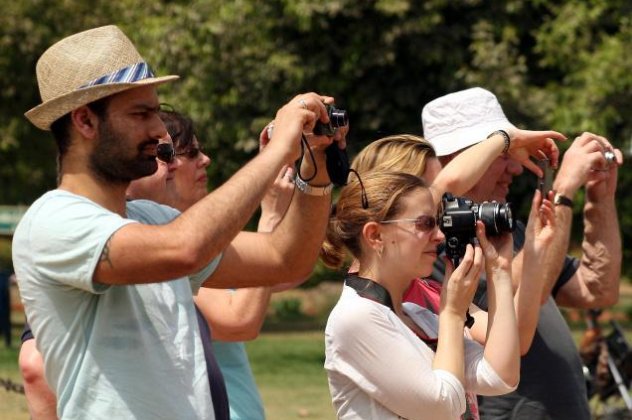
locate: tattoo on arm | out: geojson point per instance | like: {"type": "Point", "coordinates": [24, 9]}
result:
{"type": "Point", "coordinates": [105, 254]}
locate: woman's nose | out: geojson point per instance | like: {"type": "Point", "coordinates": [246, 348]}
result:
{"type": "Point", "coordinates": [206, 160]}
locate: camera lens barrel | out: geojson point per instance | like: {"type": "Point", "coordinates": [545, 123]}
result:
{"type": "Point", "coordinates": [609, 156]}
{"type": "Point", "coordinates": [458, 222]}
{"type": "Point", "coordinates": [497, 217]}
{"type": "Point", "coordinates": [337, 118]}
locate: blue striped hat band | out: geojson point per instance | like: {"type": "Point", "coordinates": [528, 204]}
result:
{"type": "Point", "coordinates": [129, 74]}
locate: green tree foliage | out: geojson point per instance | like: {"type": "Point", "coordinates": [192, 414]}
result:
{"type": "Point", "coordinates": [553, 64]}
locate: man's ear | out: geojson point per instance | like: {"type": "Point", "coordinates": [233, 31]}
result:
{"type": "Point", "coordinates": [372, 234]}
{"type": "Point", "coordinates": [85, 121]}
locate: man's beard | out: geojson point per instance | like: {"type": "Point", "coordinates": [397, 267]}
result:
{"type": "Point", "coordinates": [109, 162]}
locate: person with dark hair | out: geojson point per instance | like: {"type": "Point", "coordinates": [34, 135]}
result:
{"type": "Point", "coordinates": [233, 315]}
{"type": "Point", "coordinates": [107, 284]}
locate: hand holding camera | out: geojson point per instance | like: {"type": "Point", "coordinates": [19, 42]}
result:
{"type": "Point", "coordinates": [337, 161]}
{"type": "Point", "coordinates": [293, 119]}
{"type": "Point", "coordinates": [589, 161]}
{"type": "Point", "coordinates": [460, 283]}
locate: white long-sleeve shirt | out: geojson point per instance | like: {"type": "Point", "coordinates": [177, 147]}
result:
{"type": "Point", "coordinates": [379, 369]}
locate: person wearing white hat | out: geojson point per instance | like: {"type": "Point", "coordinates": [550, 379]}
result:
{"type": "Point", "coordinates": [552, 382]}
{"type": "Point", "coordinates": [107, 285]}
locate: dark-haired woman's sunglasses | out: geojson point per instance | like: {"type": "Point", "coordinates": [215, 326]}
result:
{"type": "Point", "coordinates": [423, 223]}
{"type": "Point", "coordinates": [165, 152]}
{"type": "Point", "coordinates": [191, 153]}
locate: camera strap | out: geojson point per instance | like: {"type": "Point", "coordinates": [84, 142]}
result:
{"type": "Point", "coordinates": [371, 290]}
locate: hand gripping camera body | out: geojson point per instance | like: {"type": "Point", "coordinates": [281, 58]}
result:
{"type": "Point", "coordinates": [458, 222]}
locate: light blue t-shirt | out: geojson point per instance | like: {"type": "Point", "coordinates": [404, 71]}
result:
{"type": "Point", "coordinates": [243, 396]}
{"type": "Point", "coordinates": [110, 352]}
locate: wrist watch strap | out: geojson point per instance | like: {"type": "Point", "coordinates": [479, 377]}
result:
{"type": "Point", "coordinates": [562, 200]}
{"type": "Point", "coordinates": [305, 188]}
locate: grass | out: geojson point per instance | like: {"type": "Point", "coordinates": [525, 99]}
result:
{"type": "Point", "coordinates": [288, 368]}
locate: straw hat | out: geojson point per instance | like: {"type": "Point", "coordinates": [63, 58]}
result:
{"type": "Point", "coordinates": [85, 67]}
{"type": "Point", "coordinates": [458, 120]}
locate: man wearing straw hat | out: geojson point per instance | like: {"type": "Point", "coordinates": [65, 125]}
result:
{"type": "Point", "coordinates": [107, 285]}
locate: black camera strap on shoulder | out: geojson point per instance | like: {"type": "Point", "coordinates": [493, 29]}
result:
{"type": "Point", "coordinates": [369, 289]}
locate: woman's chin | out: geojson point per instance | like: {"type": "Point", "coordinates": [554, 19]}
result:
{"type": "Point", "coordinates": [425, 271]}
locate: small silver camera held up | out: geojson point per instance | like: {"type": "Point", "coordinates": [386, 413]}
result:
{"type": "Point", "coordinates": [609, 156]}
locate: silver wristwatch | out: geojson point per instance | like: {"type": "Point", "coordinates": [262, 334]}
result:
{"type": "Point", "coordinates": [305, 188]}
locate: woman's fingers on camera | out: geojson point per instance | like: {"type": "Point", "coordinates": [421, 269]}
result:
{"type": "Point", "coordinates": [488, 247]}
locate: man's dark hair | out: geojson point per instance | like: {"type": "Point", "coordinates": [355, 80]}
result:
{"type": "Point", "coordinates": [60, 128]}
{"type": "Point", "coordinates": [179, 127]}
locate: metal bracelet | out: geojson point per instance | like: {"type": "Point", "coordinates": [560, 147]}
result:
{"type": "Point", "coordinates": [305, 188]}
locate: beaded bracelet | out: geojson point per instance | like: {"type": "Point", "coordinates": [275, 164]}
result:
{"type": "Point", "coordinates": [505, 137]}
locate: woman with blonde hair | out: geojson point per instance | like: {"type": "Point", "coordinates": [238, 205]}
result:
{"type": "Point", "coordinates": [383, 361]}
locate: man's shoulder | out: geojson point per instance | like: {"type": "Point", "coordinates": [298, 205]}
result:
{"type": "Point", "coordinates": [55, 208]}
{"type": "Point", "coordinates": [150, 212]}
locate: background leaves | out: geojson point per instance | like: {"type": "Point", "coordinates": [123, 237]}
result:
{"type": "Point", "coordinates": [565, 65]}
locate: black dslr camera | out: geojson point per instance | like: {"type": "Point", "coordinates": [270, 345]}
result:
{"type": "Point", "coordinates": [458, 222]}
{"type": "Point", "coordinates": [337, 159]}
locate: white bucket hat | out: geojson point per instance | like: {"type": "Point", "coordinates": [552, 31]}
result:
{"type": "Point", "coordinates": [85, 67]}
{"type": "Point", "coordinates": [458, 120]}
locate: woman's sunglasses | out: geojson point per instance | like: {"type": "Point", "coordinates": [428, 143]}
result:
{"type": "Point", "coordinates": [423, 223]}
{"type": "Point", "coordinates": [165, 152]}
{"type": "Point", "coordinates": [191, 153]}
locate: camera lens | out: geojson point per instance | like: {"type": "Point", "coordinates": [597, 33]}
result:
{"type": "Point", "coordinates": [497, 217]}
{"type": "Point", "coordinates": [609, 156]}
{"type": "Point", "coordinates": [338, 117]}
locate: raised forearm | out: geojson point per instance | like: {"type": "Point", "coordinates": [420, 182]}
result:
{"type": "Point", "coordinates": [466, 169]}
{"type": "Point", "coordinates": [557, 250]}
{"type": "Point", "coordinates": [527, 303]}
{"type": "Point", "coordinates": [600, 267]}
{"type": "Point", "coordinates": [450, 348]}
{"type": "Point", "coordinates": [501, 346]}
{"type": "Point", "coordinates": [234, 202]}
{"type": "Point", "coordinates": [287, 254]}
{"type": "Point", "coordinates": [234, 315]}
{"type": "Point", "coordinates": [139, 253]}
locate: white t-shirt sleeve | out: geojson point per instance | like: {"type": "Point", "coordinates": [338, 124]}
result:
{"type": "Point", "coordinates": [66, 243]}
{"type": "Point", "coordinates": [480, 376]}
{"type": "Point", "coordinates": [200, 277]}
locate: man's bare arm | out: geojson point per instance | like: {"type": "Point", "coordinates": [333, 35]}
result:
{"type": "Point", "coordinates": [596, 282]}
{"type": "Point", "coordinates": [140, 253]}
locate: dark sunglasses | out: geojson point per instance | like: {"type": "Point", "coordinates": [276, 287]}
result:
{"type": "Point", "coordinates": [165, 152]}
{"type": "Point", "coordinates": [423, 223]}
{"type": "Point", "coordinates": [191, 153]}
